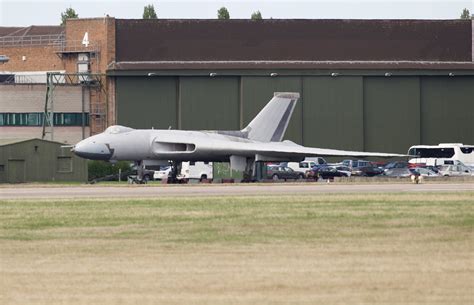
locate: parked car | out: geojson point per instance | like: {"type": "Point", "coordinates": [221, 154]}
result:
{"type": "Point", "coordinates": [408, 172]}
{"type": "Point", "coordinates": [163, 173]}
{"type": "Point", "coordinates": [425, 172]}
{"type": "Point", "coordinates": [305, 165]}
{"type": "Point", "coordinates": [362, 168]}
{"type": "Point", "coordinates": [432, 168]}
{"type": "Point", "coordinates": [355, 163]}
{"type": "Point", "coordinates": [396, 164]}
{"type": "Point", "coordinates": [455, 170]}
{"type": "Point", "coordinates": [277, 172]}
{"type": "Point", "coordinates": [368, 171]}
{"type": "Point", "coordinates": [330, 172]}
{"type": "Point", "coordinates": [345, 170]}
{"type": "Point", "coordinates": [314, 171]}
{"type": "Point", "coordinates": [398, 172]}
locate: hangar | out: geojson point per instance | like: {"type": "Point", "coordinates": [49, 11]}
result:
{"type": "Point", "coordinates": [27, 160]}
{"type": "Point", "coordinates": [374, 85]}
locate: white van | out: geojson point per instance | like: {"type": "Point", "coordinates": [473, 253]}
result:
{"type": "Point", "coordinates": [196, 170]}
{"type": "Point", "coordinates": [444, 153]}
{"type": "Point", "coordinates": [189, 170]}
{"type": "Point", "coordinates": [306, 165]}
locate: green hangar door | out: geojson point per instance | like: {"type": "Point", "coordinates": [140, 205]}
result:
{"type": "Point", "coordinates": [209, 103]}
{"type": "Point", "coordinates": [391, 113]}
{"type": "Point", "coordinates": [333, 112]}
{"type": "Point", "coordinates": [16, 171]}
{"type": "Point", "coordinates": [447, 109]}
{"type": "Point", "coordinates": [147, 102]}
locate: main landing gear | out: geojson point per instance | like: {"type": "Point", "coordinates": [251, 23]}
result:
{"type": "Point", "coordinates": [175, 170]}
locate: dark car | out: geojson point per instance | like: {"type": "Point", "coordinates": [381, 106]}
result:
{"type": "Point", "coordinates": [277, 172]}
{"type": "Point", "coordinates": [313, 173]}
{"type": "Point", "coordinates": [362, 168]}
{"type": "Point", "coordinates": [368, 171]}
{"type": "Point", "coordinates": [330, 172]}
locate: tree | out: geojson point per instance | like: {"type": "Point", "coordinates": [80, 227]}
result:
{"type": "Point", "coordinates": [149, 12]}
{"type": "Point", "coordinates": [223, 13]}
{"type": "Point", "coordinates": [69, 13]}
{"type": "Point", "coordinates": [256, 16]}
{"type": "Point", "coordinates": [465, 14]}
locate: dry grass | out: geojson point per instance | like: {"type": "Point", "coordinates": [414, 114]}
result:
{"type": "Point", "coordinates": [329, 249]}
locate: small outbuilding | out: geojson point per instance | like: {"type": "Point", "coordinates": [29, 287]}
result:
{"type": "Point", "coordinates": [36, 160]}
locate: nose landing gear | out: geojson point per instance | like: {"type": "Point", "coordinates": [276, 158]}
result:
{"type": "Point", "coordinates": [140, 177]}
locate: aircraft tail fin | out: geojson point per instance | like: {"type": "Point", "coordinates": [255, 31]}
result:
{"type": "Point", "coordinates": [271, 122]}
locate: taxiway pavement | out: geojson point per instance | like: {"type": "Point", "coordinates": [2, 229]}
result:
{"type": "Point", "coordinates": [148, 191]}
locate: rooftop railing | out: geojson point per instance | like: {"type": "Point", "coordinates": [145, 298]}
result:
{"type": "Point", "coordinates": [77, 46]}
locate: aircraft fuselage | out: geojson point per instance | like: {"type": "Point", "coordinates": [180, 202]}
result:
{"type": "Point", "coordinates": [177, 145]}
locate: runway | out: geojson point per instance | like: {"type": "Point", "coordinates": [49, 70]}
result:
{"type": "Point", "coordinates": [148, 191]}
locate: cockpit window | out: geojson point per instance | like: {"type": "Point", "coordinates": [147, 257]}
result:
{"type": "Point", "coordinates": [116, 129]}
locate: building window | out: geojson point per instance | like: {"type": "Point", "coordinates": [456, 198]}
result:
{"type": "Point", "coordinates": [36, 119]}
{"type": "Point", "coordinates": [71, 119]}
{"type": "Point", "coordinates": [2, 167]}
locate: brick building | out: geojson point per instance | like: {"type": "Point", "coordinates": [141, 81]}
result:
{"type": "Point", "coordinates": [79, 102]}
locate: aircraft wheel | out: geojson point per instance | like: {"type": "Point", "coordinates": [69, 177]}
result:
{"type": "Point", "coordinates": [275, 177]}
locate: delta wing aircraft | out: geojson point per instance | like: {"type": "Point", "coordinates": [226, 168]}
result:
{"type": "Point", "coordinates": [261, 140]}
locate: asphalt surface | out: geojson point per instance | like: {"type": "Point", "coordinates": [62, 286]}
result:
{"type": "Point", "coordinates": [147, 191]}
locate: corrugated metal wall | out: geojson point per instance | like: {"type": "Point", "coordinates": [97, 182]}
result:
{"type": "Point", "coordinates": [391, 113]}
{"type": "Point", "coordinates": [447, 109]}
{"type": "Point", "coordinates": [346, 112]}
{"type": "Point", "coordinates": [147, 102]}
{"type": "Point", "coordinates": [38, 160]}
{"type": "Point", "coordinates": [209, 103]}
{"type": "Point", "coordinates": [333, 112]}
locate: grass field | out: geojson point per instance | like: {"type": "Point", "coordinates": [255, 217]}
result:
{"type": "Point", "coordinates": [327, 249]}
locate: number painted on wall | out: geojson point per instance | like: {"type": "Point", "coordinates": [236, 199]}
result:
{"type": "Point", "coordinates": [85, 40]}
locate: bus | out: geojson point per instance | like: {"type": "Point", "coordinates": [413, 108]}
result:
{"type": "Point", "coordinates": [441, 154]}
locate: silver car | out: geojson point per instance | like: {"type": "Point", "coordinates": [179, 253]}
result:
{"type": "Point", "coordinates": [425, 172]}
{"type": "Point", "coordinates": [456, 170]}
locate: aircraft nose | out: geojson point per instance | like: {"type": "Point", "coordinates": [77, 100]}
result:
{"type": "Point", "coordinates": [92, 150]}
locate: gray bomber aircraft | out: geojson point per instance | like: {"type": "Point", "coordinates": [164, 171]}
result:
{"type": "Point", "coordinates": [261, 140]}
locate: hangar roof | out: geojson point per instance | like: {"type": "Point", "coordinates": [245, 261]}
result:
{"type": "Point", "coordinates": [281, 43]}
{"type": "Point", "coordinates": [31, 30]}
{"type": "Point", "coordinates": [5, 142]}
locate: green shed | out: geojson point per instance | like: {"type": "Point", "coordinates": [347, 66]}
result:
{"type": "Point", "coordinates": [36, 160]}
